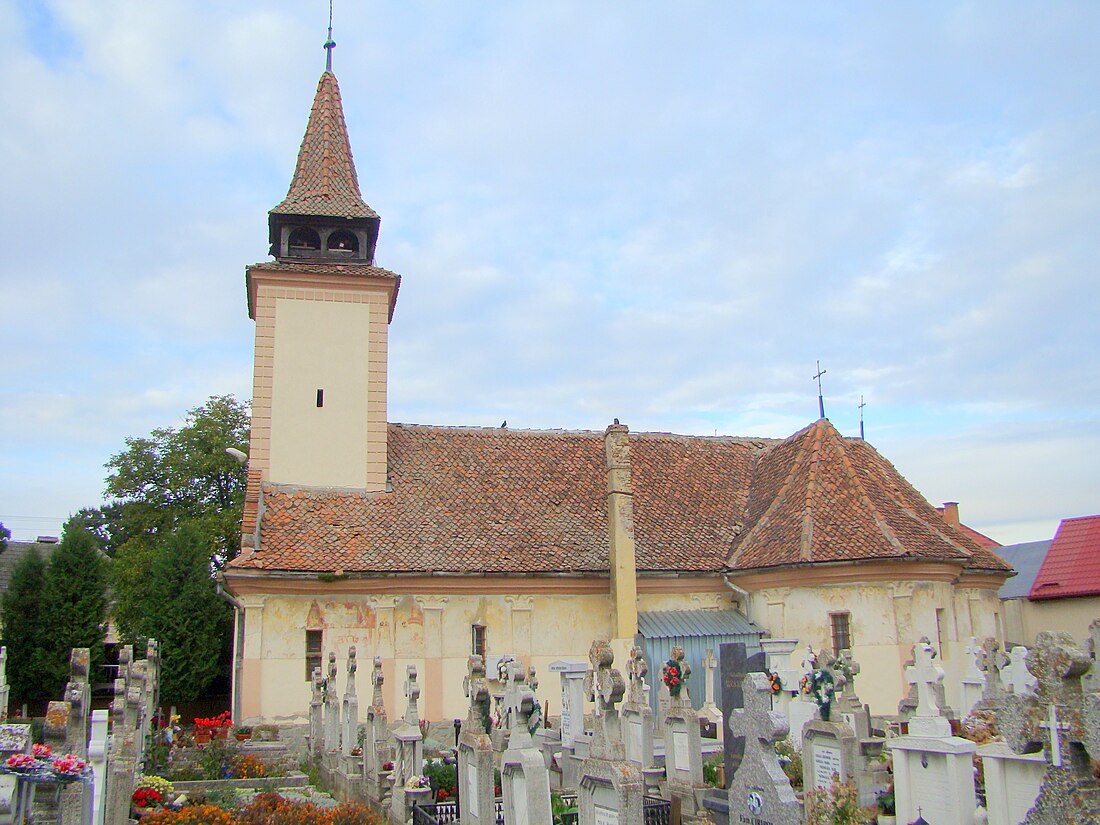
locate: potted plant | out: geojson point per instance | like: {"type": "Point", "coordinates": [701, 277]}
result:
{"type": "Point", "coordinates": [887, 814]}
{"type": "Point", "coordinates": [243, 733]}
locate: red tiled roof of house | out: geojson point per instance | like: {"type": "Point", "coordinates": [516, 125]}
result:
{"type": "Point", "coordinates": [502, 501]}
{"type": "Point", "coordinates": [980, 539]}
{"type": "Point", "coordinates": [818, 496]}
{"type": "Point", "coordinates": [1072, 564]}
{"type": "Point", "coordinates": [324, 180]}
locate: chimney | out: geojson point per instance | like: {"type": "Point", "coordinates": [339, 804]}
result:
{"type": "Point", "coordinates": [620, 532]}
{"type": "Point", "coordinates": [950, 512]}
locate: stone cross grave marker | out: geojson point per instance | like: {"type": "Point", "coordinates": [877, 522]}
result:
{"type": "Point", "coordinates": [1015, 676]}
{"type": "Point", "coordinates": [973, 679]}
{"type": "Point", "coordinates": [1051, 714]}
{"type": "Point", "coordinates": [475, 749]}
{"type": "Point", "coordinates": [524, 776]}
{"type": "Point", "coordinates": [350, 736]}
{"type": "Point", "coordinates": [332, 707]}
{"type": "Point", "coordinates": [97, 759]}
{"type": "Point", "coordinates": [78, 693]}
{"type": "Point", "coordinates": [409, 753]}
{"type": "Point", "coordinates": [1091, 680]}
{"type": "Point", "coordinates": [709, 711]}
{"type": "Point", "coordinates": [316, 709]}
{"type": "Point", "coordinates": [636, 715]}
{"type": "Point", "coordinates": [759, 791]}
{"type": "Point", "coordinates": [734, 664]}
{"type": "Point", "coordinates": [610, 788]}
{"type": "Point", "coordinates": [683, 746]}
{"type": "Point", "coordinates": [926, 675]}
{"type": "Point", "coordinates": [376, 748]}
{"type": "Point", "coordinates": [991, 661]}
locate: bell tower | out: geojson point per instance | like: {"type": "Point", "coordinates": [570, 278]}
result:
{"type": "Point", "coordinates": [322, 310]}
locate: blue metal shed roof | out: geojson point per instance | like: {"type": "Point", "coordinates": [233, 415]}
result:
{"type": "Point", "coordinates": [685, 623]}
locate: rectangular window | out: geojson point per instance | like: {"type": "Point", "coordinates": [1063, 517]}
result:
{"type": "Point", "coordinates": [320, 398]}
{"type": "Point", "coordinates": [313, 652]}
{"type": "Point", "coordinates": [477, 634]}
{"type": "Point", "coordinates": [842, 632]}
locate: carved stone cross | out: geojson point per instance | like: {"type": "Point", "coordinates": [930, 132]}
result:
{"type": "Point", "coordinates": [333, 670]}
{"type": "Point", "coordinates": [412, 694]}
{"type": "Point", "coordinates": [318, 684]}
{"type": "Point", "coordinates": [376, 680]}
{"type": "Point", "coordinates": [636, 670]}
{"type": "Point", "coordinates": [1015, 676]}
{"type": "Point", "coordinates": [710, 666]}
{"type": "Point", "coordinates": [850, 668]}
{"type": "Point", "coordinates": [926, 675]}
{"type": "Point", "coordinates": [476, 687]}
{"type": "Point", "coordinates": [350, 689]}
{"type": "Point", "coordinates": [974, 654]}
{"type": "Point", "coordinates": [606, 687]}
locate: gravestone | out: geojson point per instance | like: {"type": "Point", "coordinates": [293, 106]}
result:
{"type": "Point", "coordinates": [759, 792]}
{"type": "Point", "coordinates": [933, 770]}
{"type": "Point", "coordinates": [121, 759]}
{"type": "Point", "coordinates": [991, 661]}
{"type": "Point", "coordinates": [828, 748]}
{"type": "Point", "coordinates": [350, 714]}
{"type": "Point", "coordinates": [683, 745]}
{"type": "Point", "coordinates": [636, 714]}
{"type": "Point", "coordinates": [78, 693]}
{"type": "Point", "coordinates": [316, 709]}
{"type": "Point", "coordinates": [709, 712]}
{"type": "Point", "coordinates": [332, 708]}
{"type": "Point", "coordinates": [97, 760]}
{"type": "Point", "coordinates": [524, 779]}
{"type": "Point", "coordinates": [14, 739]}
{"type": "Point", "coordinates": [610, 788]}
{"type": "Point", "coordinates": [376, 747]}
{"type": "Point", "coordinates": [973, 679]}
{"type": "Point", "coordinates": [1056, 715]}
{"type": "Point", "coordinates": [572, 674]}
{"type": "Point", "coordinates": [907, 707]}
{"type": "Point", "coordinates": [475, 750]}
{"type": "Point", "coordinates": [1015, 676]}
{"type": "Point", "coordinates": [408, 758]}
{"type": "Point", "coordinates": [1012, 782]}
{"type": "Point", "coordinates": [5, 688]}
{"type": "Point", "coordinates": [735, 663]}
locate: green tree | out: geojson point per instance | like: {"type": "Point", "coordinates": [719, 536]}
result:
{"type": "Point", "coordinates": [5, 534]}
{"type": "Point", "coordinates": [174, 476]}
{"type": "Point", "coordinates": [25, 627]}
{"type": "Point", "coordinates": [104, 523]}
{"type": "Point", "coordinates": [173, 598]}
{"type": "Point", "coordinates": [74, 603]}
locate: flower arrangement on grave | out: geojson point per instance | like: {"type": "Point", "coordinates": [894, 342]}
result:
{"type": "Point", "coordinates": [387, 766]}
{"type": "Point", "coordinates": [23, 763]}
{"type": "Point", "coordinates": [775, 683]}
{"type": "Point", "coordinates": [146, 798]}
{"type": "Point", "coordinates": [41, 751]}
{"type": "Point", "coordinates": [534, 721]}
{"type": "Point", "coordinates": [214, 724]}
{"type": "Point", "coordinates": [156, 783]}
{"type": "Point", "coordinates": [418, 782]}
{"type": "Point", "coordinates": [69, 768]}
{"type": "Point", "coordinates": [672, 674]}
{"type": "Point", "coordinates": [820, 685]}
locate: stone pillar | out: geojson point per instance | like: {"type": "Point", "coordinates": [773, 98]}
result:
{"type": "Point", "coordinates": [5, 688]}
{"type": "Point", "coordinates": [409, 749]}
{"type": "Point", "coordinates": [121, 762]}
{"type": "Point", "coordinates": [316, 709]}
{"type": "Point", "coordinates": [683, 745]}
{"type": "Point", "coordinates": [620, 533]}
{"type": "Point", "coordinates": [376, 747]}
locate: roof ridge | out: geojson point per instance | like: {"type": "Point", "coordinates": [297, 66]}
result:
{"type": "Point", "coordinates": [780, 495]}
{"type": "Point", "coordinates": [806, 550]}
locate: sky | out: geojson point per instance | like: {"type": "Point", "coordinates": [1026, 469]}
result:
{"type": "Point", "coordinates": [665, 213]}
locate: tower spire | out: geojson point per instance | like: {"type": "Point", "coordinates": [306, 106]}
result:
{"type": "Point", "coordinates": [330, 44]}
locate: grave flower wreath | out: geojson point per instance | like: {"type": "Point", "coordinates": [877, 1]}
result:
{"type": "Point", "coordinates": [820, 685]}
{"type": "Point", "coordinates": [417, 783]}
{"type": "Point", "coordinates": [775, 683]}
{"type": "Point", "coordinates": [67, 768]}
{"type": "Point", "coordinates": [672, 674]}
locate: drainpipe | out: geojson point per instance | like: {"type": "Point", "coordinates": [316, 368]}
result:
{"type": "Point", "coordinates": [238, 647]}
{"type": "Point", "coordinates": [742, 595]}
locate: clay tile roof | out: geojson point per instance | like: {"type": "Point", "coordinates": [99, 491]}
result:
{"type": "Point", "coordinates": [512, 501]}
{"type": "Point", "coordinates": [980, 539]}
{"type": "Point", "coordinates": [324, 180]}
{"type": "Point", "coordinates": [820, 497]}
{"type": "Point", "coordinates": [1072, 564]}
{"type": "Point", "coordinates": [500, 500]}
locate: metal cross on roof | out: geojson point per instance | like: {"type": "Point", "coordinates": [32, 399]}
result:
{"type": "Point", "coordinates": [330, 44]}
{"type": "Point", "coordinates": [820, 397]}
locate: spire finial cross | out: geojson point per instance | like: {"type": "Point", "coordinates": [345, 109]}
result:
{"type": "Point", "coordinates": [820, 397]}
{"type": "Point", "coordinates": [330, 44]}
{"type": "Point", "coordinates": [862, 404]}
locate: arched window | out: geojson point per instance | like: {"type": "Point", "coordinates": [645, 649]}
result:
{"type": "Point", "coordinates": [303, 240]}
{"type": "Point", "coordinates": [343, 242]}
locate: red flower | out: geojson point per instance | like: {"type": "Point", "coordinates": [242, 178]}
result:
{"type": "Point", "coordinates": [41, 751]}
{"type": "Point", "coordinates": [146, 797]}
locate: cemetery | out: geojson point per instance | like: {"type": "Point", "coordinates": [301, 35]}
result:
{"type": "Point", "coordinates": [1021, 750]}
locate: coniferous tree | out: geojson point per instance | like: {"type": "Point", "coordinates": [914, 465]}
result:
{"type": "Point", "coordinates": [184, 613]}
{"type": "Point", "coordinates": [74, 605]}
{"type": "Point", "coordinates": [24, 627]}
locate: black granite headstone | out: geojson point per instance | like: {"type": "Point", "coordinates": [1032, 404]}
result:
{"type": "Point", "coordinates": [733, 664]}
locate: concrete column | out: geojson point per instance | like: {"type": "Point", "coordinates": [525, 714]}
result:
{"type": "Point", "coordinates": [620, 533]}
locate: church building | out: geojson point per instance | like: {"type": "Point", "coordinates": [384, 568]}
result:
{"type": "Point", "coordinates": [424, 544]}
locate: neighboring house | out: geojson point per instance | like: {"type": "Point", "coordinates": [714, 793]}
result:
{"type": "Point", "coordinates": [424, 544]}
{"type": "Point", "coordinates": [1058, 586]}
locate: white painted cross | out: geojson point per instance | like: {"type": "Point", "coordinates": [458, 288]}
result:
{"type": "Point", "coordinates": [1053, 727]}
{"type": "Point", "coordinates": [974, 653]}
{"type": "Point", "coordinates": [1015, 676]}
{"type": "Point", "coordinates": [925, 675]}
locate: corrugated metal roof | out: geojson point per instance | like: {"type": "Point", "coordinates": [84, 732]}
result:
{"type": "Point", "coordinates": [672, 623]}
{"type": "Point", "coordinates": [1026, 558]}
